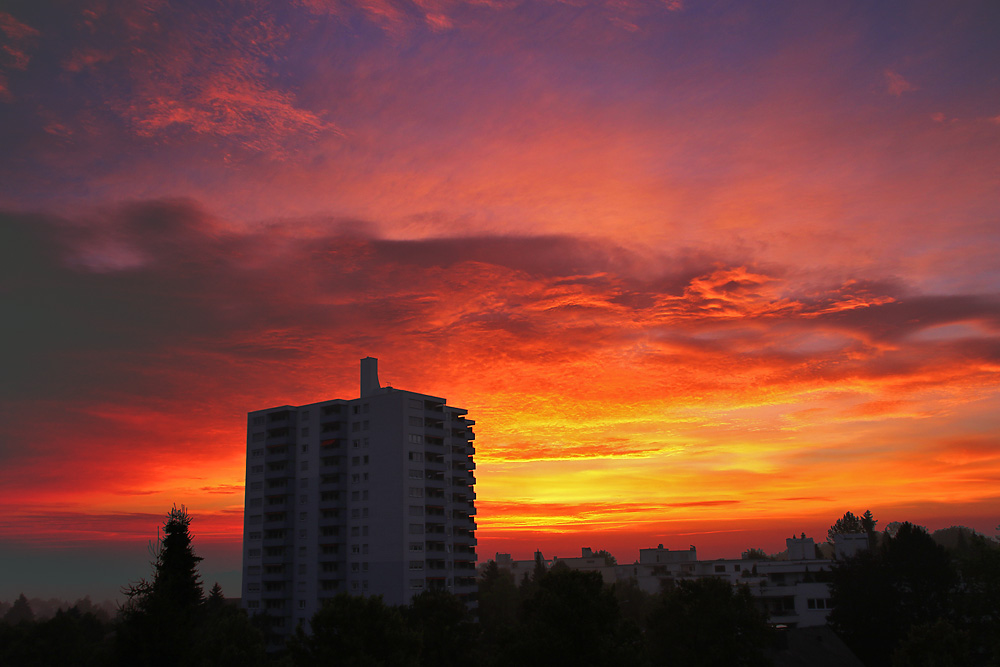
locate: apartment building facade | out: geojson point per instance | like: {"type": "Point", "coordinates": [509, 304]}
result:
{"type": "Point", "coordinates": [371, 496]}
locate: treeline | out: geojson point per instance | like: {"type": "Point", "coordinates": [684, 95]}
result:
{"type": "Point", "coordinates": [905, 601]}
{"type": "Point", "coordinates": [910, 601]}
{"type": "Point", "coordinates": [42, 609]}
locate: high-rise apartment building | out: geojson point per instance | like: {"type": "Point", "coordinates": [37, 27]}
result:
{"type": "Point", "coordinates": [369, 496]}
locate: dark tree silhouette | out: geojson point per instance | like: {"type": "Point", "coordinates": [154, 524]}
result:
{"type": "Point", "coordinates": [447, 633]}
{"type": "Point", "coordinates": [937, 644]}
{"type": "Point", "coordinates": [356, 632]}
{"type": "Point", "coordinates": [227, 637]}
{"type": "Point", "coordinates": [708, 622]}
{"type": "Point", "coordinates": [20, 612]}
{"type": "Point", "coordinates": [540, 568]}
{"type": "Point", "coordinates": [571, 619]}
{"type": "Point", "coordinates": [868, 523]}
{"type": "Point", "coordinates": [71, 637]}
{"type": "Point", "coordinates": [499, 599]}
{"type": "Point", "coordinates": [976, 600]}
{"type": "Point", "coordinates": [177, 584]}
{"type": "Point", "coordinates": [159, 621]}
{"type": "Point", "coordinates": [879, 595]}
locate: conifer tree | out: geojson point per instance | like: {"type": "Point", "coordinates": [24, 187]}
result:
{"type": "Point", "coordinates": [20, 612]}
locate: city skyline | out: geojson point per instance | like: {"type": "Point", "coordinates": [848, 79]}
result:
{"type": "Point", "coordinates": [703, 273]}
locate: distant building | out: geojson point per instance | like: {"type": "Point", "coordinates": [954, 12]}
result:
{"type": "Point", "coordinates": [792, 591]}
{"type": "Point", "coordinates": [846, 545]}
{"type": "Point", "coordinates": [370, 496]}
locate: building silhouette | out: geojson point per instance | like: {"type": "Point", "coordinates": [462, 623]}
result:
{"type": "Point", "coordinates": [370, 496]}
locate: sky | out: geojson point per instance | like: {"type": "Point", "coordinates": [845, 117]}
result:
{"type": "Point", "coordinates": [705, 273]}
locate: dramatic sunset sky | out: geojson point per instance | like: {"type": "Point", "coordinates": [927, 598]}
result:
{"type": "Point", "coordinates": [703, 272]}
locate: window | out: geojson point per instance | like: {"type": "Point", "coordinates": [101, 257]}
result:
{"type": "Point", "coordinates": [416, 474]}
{"type": "Point", "coordinates": [355, 549]}
{"type": "Point", "coordinates": [416, 546]}
{"type": "Point", "coordinates": [304, 466]}
{"type": "Point", "coordinates": [256, 486]}
{"type": "Point", "coordinates": [355, 495]}
{"type": "Point", "coordinates": [416, 584]}
{"type": "Point", "coordinates": [257, 437]}
{"type": "Point", "coordinates": [302, 568]}
{"type": "Point", "coordinates": [366, 426]}
{"type": "Point", "coordinates": [254, 535]}
{"type": "Point", "coordinates": [253, 553]}
{"type": "Point", "coordinates": [416, 456]}
{"type": "Point", "coordinates": [355, 478]}
{"type": "Point", "coordinates": [355, 460]}
{"type": "Point", "coordinates": [256, 469]}
{"type": "Point", "coordinates": [258, 420]}
{"type": "Point", "coordinates": [256, 453]}
{"type": "Point", "coordinates": [303, 499]}
{"type": "Point", "coordinates": [364, 495]}
{"type": "Point", "coordinates": [304, 416]}
{"type": "Point", "coordinates": [365, 460]}
{"type": "Point", "coordinates": [416, 438]}
{"type": "Point", "coordinates": [416, 528]}
{"type": "Point", "coordinates": [356, 426]}
{"type": "Point", "coordinates": [416, 564]}
{"type": "Point", "coordinates": [253, 604]}
{"type": "Point", "coordinates": [416, 492]}
{"type": "Point", "coordinates": [305, 432]}
{"type": "Point", "coordinates": [303, 533]}
{"type": "Point", "coordinates": [416, 510]}
{"type": "Point", "coordinates": [253, 586]}
{"type": "Point", "coordinates": [302, 604]}
{"type": "Point", "coordinates": [356, 409]}
{"type": "Point", "coordinates": [416, 421]}
{"type": "Point", "coordinates": [720, 568]}
{"type": "Point", "coordinates": [256, 502]}
{"type": "Point", "coordinates": [304, 482]}
{"type": "Point", "coordinates": [253, 569]}
{"type": "Point", "coordinates": [255, 518]}
{"type": "Point", "coordinates": [355, 443]}
{"type": "Point", "coordinates": [366, 443]}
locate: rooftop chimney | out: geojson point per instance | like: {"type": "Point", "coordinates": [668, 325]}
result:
{"type": "Point", "coordinates": [369, 376]}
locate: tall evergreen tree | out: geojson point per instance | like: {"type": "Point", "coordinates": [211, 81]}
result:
{"type": "Point", "coordinates": [160, 618]}
{"type": "Point", "coordinates": [177, 584]}
{"type": "Point", "coordinates": [20, 612]}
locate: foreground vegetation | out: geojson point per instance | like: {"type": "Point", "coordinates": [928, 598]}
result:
{"type": "Point", "coordinates": [906, 601]}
